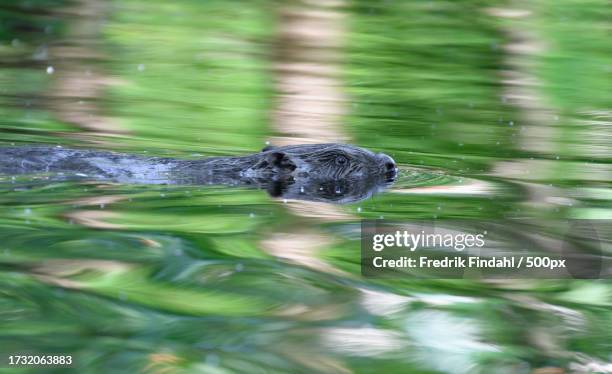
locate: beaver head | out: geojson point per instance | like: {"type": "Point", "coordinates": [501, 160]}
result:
{"type": "Point", "coordinates": [327, 162]}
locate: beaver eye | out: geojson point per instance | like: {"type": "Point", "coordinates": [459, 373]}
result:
{"type": "Point", "coordinates": [341, 160]}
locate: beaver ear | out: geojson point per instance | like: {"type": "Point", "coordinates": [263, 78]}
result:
{"type": "Point", "coordinates": [275, 161]}
{"type": "Point", "coordinates": [281, 161]}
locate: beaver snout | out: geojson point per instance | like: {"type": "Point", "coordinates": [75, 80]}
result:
{"type": "Point", "coordinates": [389, 166]}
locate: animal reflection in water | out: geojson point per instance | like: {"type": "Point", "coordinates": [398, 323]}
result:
{"type": "Point", "coordinates": [335, 173]}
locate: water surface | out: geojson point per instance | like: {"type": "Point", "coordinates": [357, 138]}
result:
{"type": "Point", "coordinates": [493, 111]}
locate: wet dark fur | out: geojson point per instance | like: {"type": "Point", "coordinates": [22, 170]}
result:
{"type": "Point", "coordinates": [319, 171]}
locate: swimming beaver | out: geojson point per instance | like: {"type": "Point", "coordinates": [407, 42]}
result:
{"type": "Point", "coordinates": [340, 172]}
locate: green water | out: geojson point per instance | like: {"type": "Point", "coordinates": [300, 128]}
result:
{"type": "Point", "coordinates": [130, 278]}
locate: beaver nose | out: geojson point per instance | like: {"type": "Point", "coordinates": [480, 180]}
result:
{"type": "Point", "coordinates": [389, 165]}
{"type": "Point", "coordinates": [387, 161]}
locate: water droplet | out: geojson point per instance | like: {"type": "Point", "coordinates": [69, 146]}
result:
{"type": "Point", "coordinates": [27, 211]}
{"type": "Point", "coordinates": [251, 215]}
{"type": "Point", "coordinates": [41, 53]}
{"type": "Point", "coordinates": [284, 201]}
{"type": "Point", "coordinates": [212, 359]}
{"type": "Point", "coordinates": [359, 209]}
{"type": "Point", "coordinates": [50, 69]}
{"type": "Point", "coordinates": [302, 189]}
